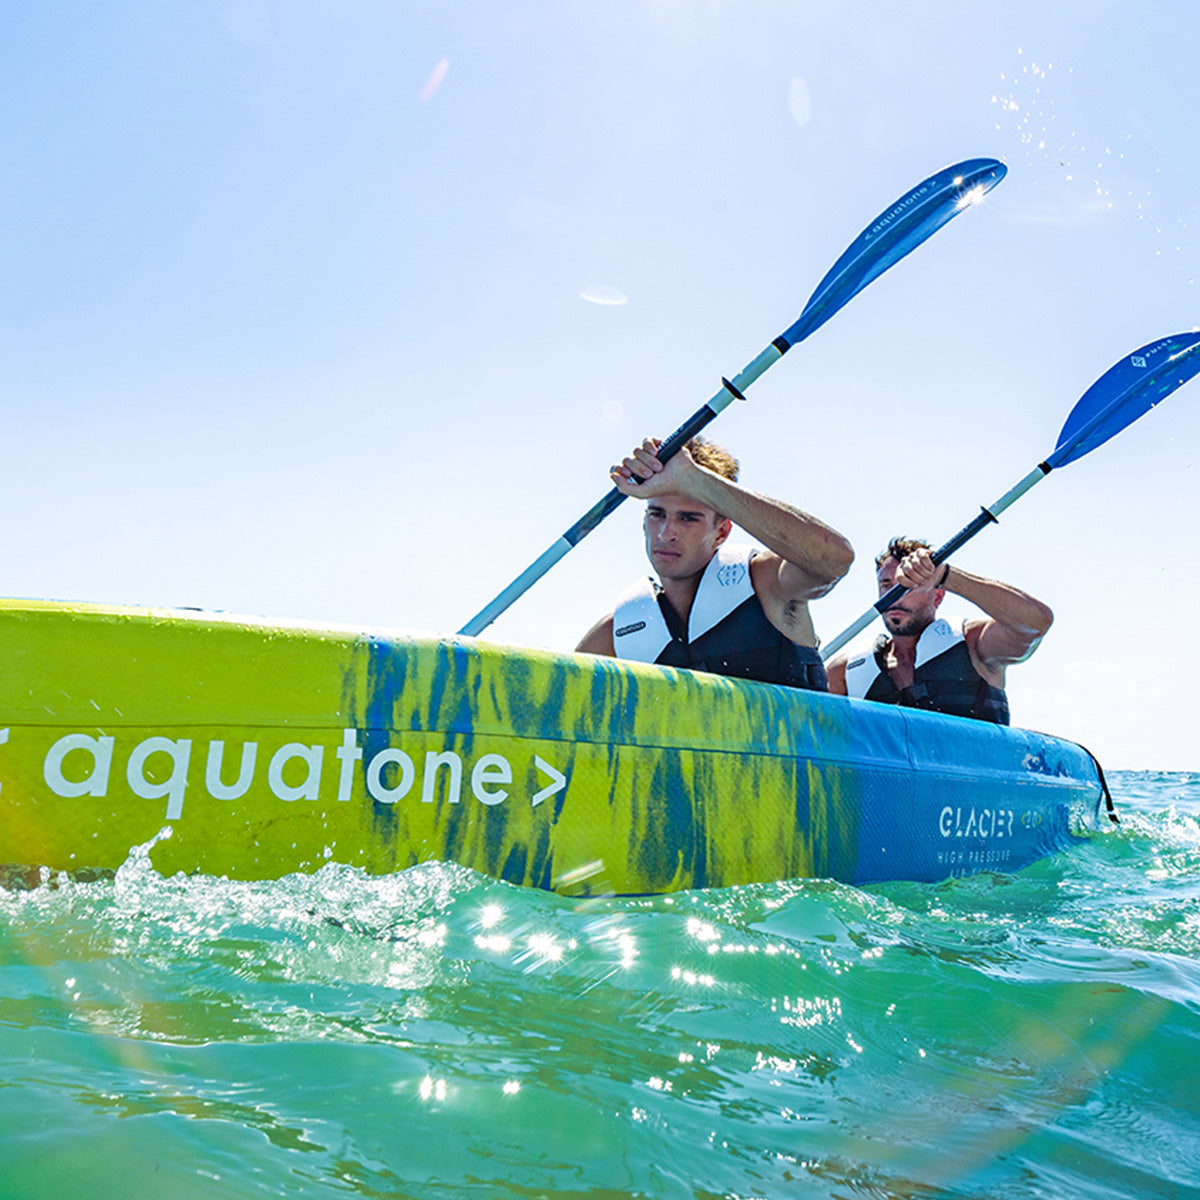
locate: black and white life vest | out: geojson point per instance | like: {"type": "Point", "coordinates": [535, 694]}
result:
{"type": "Point", "coordinates": [727, 632]}
{"type": "Point", "coordinates": [944, 678]}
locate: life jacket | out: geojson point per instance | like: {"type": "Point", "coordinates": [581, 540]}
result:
{"type": "Point", "coordinates": [944, 678]}
{"type": "Point", "coordinates": [726, 633]}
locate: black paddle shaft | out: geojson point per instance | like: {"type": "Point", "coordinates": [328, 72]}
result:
{"type": "Point", "coordinates": [960, 539]}
{"type": "Point", "coordinates": [602, 508]}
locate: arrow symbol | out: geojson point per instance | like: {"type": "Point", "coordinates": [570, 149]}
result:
{"type": "Point", "coordinates": [558, 781]}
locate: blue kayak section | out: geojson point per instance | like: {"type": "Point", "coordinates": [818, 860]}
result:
{"type": "Point", "coordinates": [946, 796]}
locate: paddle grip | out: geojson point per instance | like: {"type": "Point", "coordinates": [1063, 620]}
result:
{"type": "Point", "coordinates": [684, 434]}
{"type": "Point", "coordinates": [964, 535]}
{"type": "Point", "coordinates": [669, 448]}
{"type": "Point", "coordinates": [943, 552]}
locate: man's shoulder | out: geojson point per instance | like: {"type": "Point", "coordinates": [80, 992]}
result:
{"type": "Point", "coordinates": [971, 628]}
{"type": "Point", "coordinates": [599, 639]}
{"type": "Point", "coordinates": [991, 671]}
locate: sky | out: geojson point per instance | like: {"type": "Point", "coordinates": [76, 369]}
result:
{"type": "Point", "coordinates": [341, 309]}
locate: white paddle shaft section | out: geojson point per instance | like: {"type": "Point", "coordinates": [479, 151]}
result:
{"type": "Point", "coordinates": [563, 546]}
{"type": "Point", "coordinates": [990, 513]}
{"type": "Point", "coordinates": [750, 372]}
{"type": "Point", "coordinates": [523, 582]}
{"type": "Point", "coordinates": [1015, 493]}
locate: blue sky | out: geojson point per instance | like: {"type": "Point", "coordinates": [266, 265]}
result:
{"type": "Point", "coordinates": [342, 310]}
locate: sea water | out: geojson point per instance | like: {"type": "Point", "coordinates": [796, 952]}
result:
{"type": "Point", "coordinates": [439, 1034]}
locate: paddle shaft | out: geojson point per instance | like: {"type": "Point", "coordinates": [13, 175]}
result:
{"type": "Point", "coordinates": [730, 390]}
{"type": "Point", "coordinates": [987, 516]}
{"type": "Point", "coordinates": [896, 232]}
{"type": "Point", "coordinates": [1125, 392]}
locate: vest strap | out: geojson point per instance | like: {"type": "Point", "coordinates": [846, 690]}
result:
{"type": "Point", "coordinates": [639, 629]}
{"type": "Point", "coordinates": [863, 669]}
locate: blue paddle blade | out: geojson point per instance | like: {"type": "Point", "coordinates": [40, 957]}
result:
{"type": "Point", "coordinates": [897, 231]}
{"type": "Point", "coordinates": [1124, 392]}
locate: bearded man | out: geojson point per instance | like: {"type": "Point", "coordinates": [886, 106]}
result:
{"type": "Point", "coordinates": [928, 663]}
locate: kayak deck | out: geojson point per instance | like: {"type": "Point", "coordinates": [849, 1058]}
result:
{"type": "Point", "coordinates": [273, 747]}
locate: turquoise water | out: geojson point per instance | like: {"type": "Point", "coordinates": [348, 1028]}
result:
{"type": "Point", "coordinates": [438, 1034]}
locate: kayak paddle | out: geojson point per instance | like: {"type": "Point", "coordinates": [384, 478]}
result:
{"type": "Point", "coordinates": [897, 231]}
{"type": "Point", "coordinates": [1122, 394]}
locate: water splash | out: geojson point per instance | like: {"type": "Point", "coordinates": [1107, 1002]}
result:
{"type": "Point", "coordinates": [1089, 168]}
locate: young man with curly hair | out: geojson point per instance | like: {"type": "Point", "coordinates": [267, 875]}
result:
{"type": "Point", "coordinates": [715, 606]}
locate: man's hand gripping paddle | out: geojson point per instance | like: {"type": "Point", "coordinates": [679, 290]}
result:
{"type": "Point", "coordinates": [1122, 394]}
{"type": "Point", "coordinates": [897, 231]}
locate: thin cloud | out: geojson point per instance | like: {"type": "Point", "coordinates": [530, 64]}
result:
{"type": "Point", "coordinates": [596, 293]}
{"type": "Point", "coordinates": [435, 79]}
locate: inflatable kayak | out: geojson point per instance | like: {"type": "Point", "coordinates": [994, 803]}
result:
{"type": "Point", "coordinates": [252, 749]}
